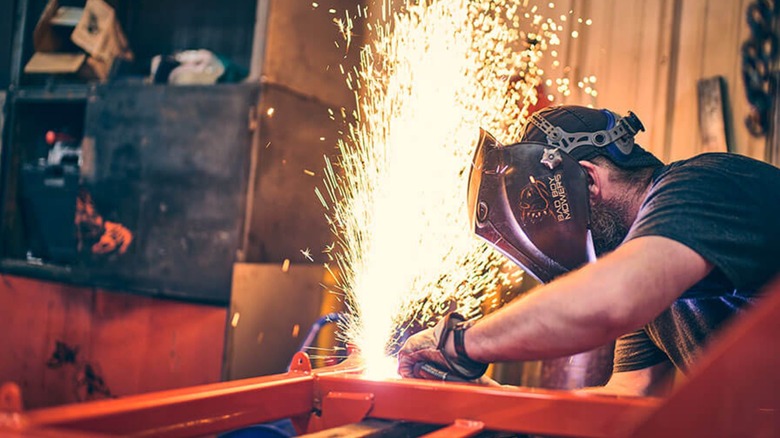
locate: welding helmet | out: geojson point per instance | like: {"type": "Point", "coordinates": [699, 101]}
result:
{"type": "Point", "coordinates": [530, 200]}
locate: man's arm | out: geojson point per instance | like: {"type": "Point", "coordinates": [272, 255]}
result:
{"type": "Point", "coordinates": [591, 306]}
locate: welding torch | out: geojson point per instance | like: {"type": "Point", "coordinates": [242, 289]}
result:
{"type": "Point", "coordinates": [431, 371]}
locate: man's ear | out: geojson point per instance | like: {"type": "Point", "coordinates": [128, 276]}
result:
{"type": "Point", "coordinates": [594, 178]}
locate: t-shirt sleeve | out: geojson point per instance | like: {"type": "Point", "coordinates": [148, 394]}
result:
{"type": "Point", "coordinates": [635, 351]}
{"type": "Point", "coordinates": [724, 208]}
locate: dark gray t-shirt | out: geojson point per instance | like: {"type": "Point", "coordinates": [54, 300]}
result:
{"type": "Point", "coordinates": [726, 207]}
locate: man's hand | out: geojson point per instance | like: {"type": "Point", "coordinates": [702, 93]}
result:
{"type": "Point", "coordinates": [422, 347]}
{"type": "Point", "coordinates": [435, 346]}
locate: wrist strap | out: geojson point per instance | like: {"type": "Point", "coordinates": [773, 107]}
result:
{"type": "Point", "coordinates": [461, 364]}
{"type": "Point", "coordinates": [458, 335]}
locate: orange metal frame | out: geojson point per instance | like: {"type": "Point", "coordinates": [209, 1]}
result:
{"type": "Point", "coordinates": [735, 392]}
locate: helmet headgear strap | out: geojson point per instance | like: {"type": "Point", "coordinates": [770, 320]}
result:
{"type": "Point", "coordinates": [621, 134]}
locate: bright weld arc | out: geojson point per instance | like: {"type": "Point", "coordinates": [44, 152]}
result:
{"type": "Point", "coordinates": [433, 75]}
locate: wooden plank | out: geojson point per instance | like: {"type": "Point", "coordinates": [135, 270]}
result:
{"type": "Point", "coordinates": [189, 340]}
{"type": "Point", "coordinates": [712, 115]}
{"type": "Point", "coordinates": [121, 321]}
{"type": "Point", "coordinates": [626, 48]}
{"type": "Point", "coordinates": [663, 71]}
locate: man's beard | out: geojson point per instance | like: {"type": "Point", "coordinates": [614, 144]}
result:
{"type": "Point", "coordinates": [608, 224]}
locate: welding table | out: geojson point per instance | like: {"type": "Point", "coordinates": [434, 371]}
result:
{"type": "Point", "coordinates": [735, 391]}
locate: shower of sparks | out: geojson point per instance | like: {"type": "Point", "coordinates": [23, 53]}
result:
{"type": "Point", "coordinates": [435, 73]}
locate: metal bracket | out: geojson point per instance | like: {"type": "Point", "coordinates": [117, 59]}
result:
{"type": "Point", "coordinates": [300, 363]}
{"type": "Point", "coordinates": [339, 408]}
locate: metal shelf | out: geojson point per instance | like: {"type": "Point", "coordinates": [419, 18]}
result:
{"type": "Point", "coordinates": [52, 93]}
{"type": "Point", "coordinates": [32, 268]}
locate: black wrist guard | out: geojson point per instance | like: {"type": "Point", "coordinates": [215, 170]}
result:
{"type": "Point", "coordinates": [461, 365]}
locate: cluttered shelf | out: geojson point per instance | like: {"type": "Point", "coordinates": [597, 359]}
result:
{"type": "Point", "coordinates": [123, 120]}
{"type": "Point", "coordinates": [78, 42]}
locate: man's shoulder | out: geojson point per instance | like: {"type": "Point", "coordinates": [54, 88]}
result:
{"type": "Point", "coordinates": [719, 160]}
{"type": "Point", "coordinates": [719, 166]}
{"type": "Point", "coordinates": [719, 178]}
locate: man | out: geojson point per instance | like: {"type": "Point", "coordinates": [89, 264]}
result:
{"type": "Point", "coordinates": [659, 257]}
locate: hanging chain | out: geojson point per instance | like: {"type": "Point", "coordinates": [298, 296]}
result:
{"type": "Point", "coordinates": [759, 54]}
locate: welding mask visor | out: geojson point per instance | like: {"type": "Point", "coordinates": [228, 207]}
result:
{"type": "Point", "coordinates": [530, 202]}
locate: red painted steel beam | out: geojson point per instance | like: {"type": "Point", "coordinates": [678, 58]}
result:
{"type": "Point", "coordinates": [511, 409]}
{"type": "Point", "coordinates": [187, 413]}
{"type": "Point", "coordinates": [193, 411]}
{"type": "Point", "coordinates": [46, 433]}
{"type": "Point", "coordinates": [340, 395]}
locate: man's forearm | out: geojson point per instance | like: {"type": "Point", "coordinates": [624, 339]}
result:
{"type": "Point", "coordinates": [547, 323]}
{"type": "Point", "coordinates": [591, 306]}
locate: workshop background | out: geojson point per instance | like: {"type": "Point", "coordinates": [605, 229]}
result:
{"type": "Point", "coordinates": [198, 253]}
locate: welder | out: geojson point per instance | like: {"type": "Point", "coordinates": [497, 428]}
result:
{"type": "Point", "coordinates": [659, 257]}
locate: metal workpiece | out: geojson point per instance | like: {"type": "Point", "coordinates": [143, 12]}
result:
{"type": "Point", "coordinates": [712, 402]}
{"type": "Point", "coordinates": [320, 399]}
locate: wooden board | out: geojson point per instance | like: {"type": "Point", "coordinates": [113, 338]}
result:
{"type": "Point", "coordinates": [713, 115]}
